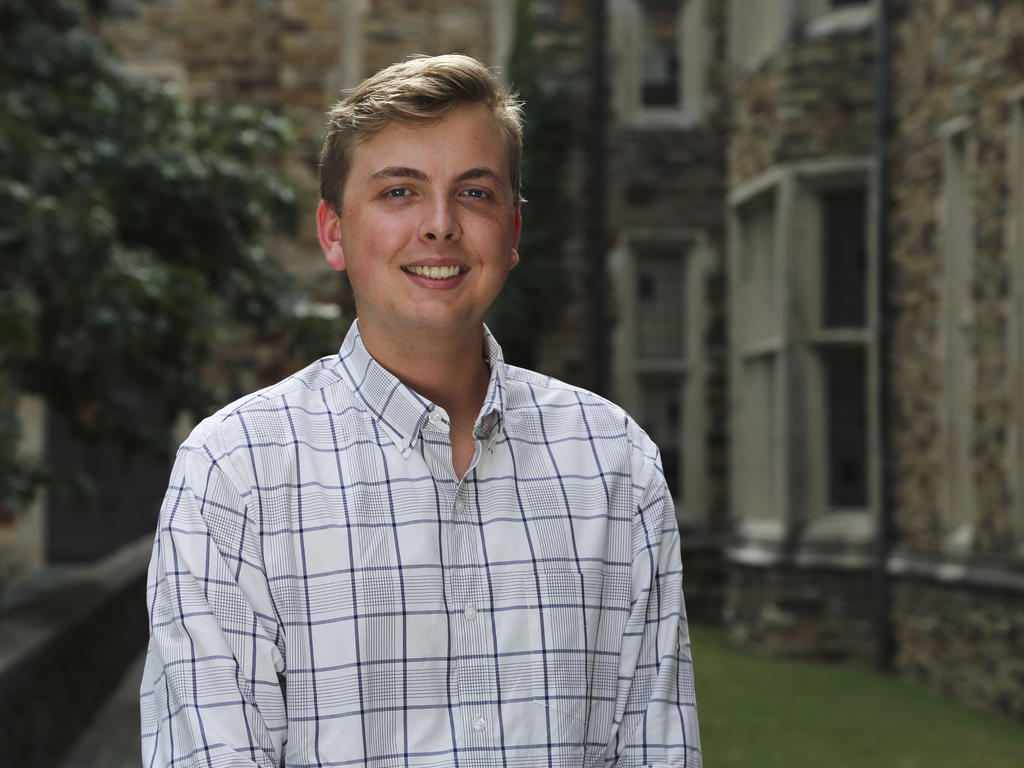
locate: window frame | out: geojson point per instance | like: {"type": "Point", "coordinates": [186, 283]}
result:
{"type": "Point", "coordinates": [956, 319]}
{"type": "Point", "coordinates": [801, 483]}
{"type": "Point", "coordinates": [817, 339]}
{"type": "Point", "coordinates": [694, 249]}
{"type": "Point", "coordinates": [627, 69]}
{"type": "Point", "coordinates": [745, 352]}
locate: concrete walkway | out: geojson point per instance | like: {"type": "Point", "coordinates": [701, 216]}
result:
{"type": "Point", "coordinates": [112, 739]}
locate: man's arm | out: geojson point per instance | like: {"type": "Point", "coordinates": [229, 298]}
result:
{"type": "Point", "coordinates": [210, 692]}
{"type": "Point", "coordinates": [656, 707]}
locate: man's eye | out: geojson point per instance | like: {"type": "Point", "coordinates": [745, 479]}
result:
{"type": "Point", "coordinates": [397, 192]}
{"type": "Point", "coordinates": [477, 193]}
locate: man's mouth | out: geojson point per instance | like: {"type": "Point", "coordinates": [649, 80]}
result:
{"type": "Point", "coordinates": [434, 273]}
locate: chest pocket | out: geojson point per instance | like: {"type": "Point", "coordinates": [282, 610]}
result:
{"type": "Point", "coordinates": [561, 658]}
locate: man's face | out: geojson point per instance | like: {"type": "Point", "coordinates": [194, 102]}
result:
{"type": "Point", "coordinates": [428, 226]}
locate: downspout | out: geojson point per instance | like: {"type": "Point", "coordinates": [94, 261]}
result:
{"type": "Point", "coordinates": [594, 250]}
{"type": "Point", "coordinates": [881, 586]}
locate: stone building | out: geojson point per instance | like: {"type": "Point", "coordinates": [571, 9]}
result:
{"type": "Point", "coordinates": [820, 323]}
{"type": "Point", "coordinates": [804, 328]}
{"type": "Point", "coordinates": [955, 375]}
{"type": "Point", "coordinates": [876, 393]}
{"type": "Point", "coordinates": [666, 230]}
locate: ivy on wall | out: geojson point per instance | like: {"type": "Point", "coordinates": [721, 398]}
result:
{"type": "Point", "coordinates": [533, 298]}
{"type": "Point", "coordinates": [130, 237]}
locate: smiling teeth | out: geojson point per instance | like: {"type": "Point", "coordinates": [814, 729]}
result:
{"type": "Point", "coordinates": [435, 273]}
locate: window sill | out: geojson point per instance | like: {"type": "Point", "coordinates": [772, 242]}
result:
{"type": "Point", "coordinates": [842, 20]}
{"type": "Point", "coordinates": [1004, 573]}
{"type": "Point", "coordinates": [652, 119]}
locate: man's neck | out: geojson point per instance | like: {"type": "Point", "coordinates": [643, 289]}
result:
{"type": "Point", "coordinates": [448, 369]}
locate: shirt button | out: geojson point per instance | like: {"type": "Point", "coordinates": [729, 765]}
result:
{"type": "Point", "coordinates": [435, 417]}
{"type": "Point", "coordinates": [479, 723]}
{"type": "Point", "coordinates": [460, 506]}
{"type": "Point", "coordinates": [470, 612]}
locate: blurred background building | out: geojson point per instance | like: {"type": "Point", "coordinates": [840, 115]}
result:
{"type": "Point", "coordinates": [793, 244]}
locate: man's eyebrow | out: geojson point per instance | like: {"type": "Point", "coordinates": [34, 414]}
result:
{"type": "Point", "coordinates": [399, 172]}
{"type": "Point", "coordinates": [481, 173]}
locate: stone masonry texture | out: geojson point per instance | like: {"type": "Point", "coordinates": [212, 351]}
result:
{"type": "Point", "coordinates": [973, 57]}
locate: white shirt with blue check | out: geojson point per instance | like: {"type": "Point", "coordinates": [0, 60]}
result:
{"type": "Point", "coordinates": [325, 592]}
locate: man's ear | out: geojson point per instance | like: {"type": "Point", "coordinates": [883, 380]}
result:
{"type": "Point", "coordinates": [328, 230]}
{"type": "Point", "coordinates": [518, 223]}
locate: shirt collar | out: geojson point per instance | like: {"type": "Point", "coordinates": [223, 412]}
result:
{"type": "Point", "coordinates": [400, 411]}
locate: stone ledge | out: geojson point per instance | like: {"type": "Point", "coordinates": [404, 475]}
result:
{"type": "Point", "coordinates": [63, 648]}
{"type": "Point", "coordinates": [1000, 574]}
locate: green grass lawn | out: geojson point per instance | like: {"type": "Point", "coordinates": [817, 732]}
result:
{"type": "Point", "coordinates": [784, 714]}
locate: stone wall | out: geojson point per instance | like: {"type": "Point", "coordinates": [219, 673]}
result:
{"type": "Point", "coordinates": [960, 639]}
{"type": "Point", "coordinates": [974, 56]}
{"type": "Point", "coordinates": [64, 643]}
{"type": "Point", "coordinates": [394, 29]}
{"type": "Point", "coordinates": [813, 99]}
{"type": "Point", "coordinates": [963, 641]}
{"type": "Point", "coordinates": [799, 612]}
{"type": "Point", "coordinates": [705, 578]}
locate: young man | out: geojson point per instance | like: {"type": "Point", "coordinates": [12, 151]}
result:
{"type": "Point", "coordinates": [411, 553]}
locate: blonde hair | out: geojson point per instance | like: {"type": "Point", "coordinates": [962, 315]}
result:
{"type": "Point", "coordinates": [418, 90]}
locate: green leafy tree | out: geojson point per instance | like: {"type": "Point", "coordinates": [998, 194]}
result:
{"type": "Point", "coordinates": [130, 231]}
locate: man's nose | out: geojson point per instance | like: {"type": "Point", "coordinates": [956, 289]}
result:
{"type": "Point", "coordinates": [441, 222]}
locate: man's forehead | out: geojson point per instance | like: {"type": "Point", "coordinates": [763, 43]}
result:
{"type": "Point", "coordinates": [408, 172]}
{"type": "Point", "coordinates": [474, 121]}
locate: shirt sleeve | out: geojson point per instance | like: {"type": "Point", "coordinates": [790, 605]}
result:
{"type": "Point", "coordinates": [212, 687]}
{"type": "Point", "coordinates": [656, 706]}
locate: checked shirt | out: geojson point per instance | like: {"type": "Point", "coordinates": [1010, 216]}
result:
{"type": "Point", "coordinates": [325, 592]}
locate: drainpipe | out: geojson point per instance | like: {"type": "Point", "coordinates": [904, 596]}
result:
{"type": "Point", "coordinates": [881, 586]}
{"type": "Point", "coordinates": [594, 250]}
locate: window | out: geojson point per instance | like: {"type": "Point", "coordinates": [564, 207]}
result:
{"type": "Point", "coordinates": [658, 359]}
{"type": "Point", "coordinates": [844, 259]}
{"type": "Point", "coordinates": [757, 485]}
{"type": "Point", "coordinates": [957, 254]}
{"type": "Point", "coordinates": [841, 347]}
{"type": "Point", "coordinates": [660, 413]}
{"type": "Point", "coordinates": [660, 53]}
{"type": "Point", "coordinates": [661, 351]}
{"type": "Point", "coordinates": [845, 369]}
{"type": "Point", "coordinates": [658, 50]}
{"type": "Point", "coordinates": [805, 361]}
